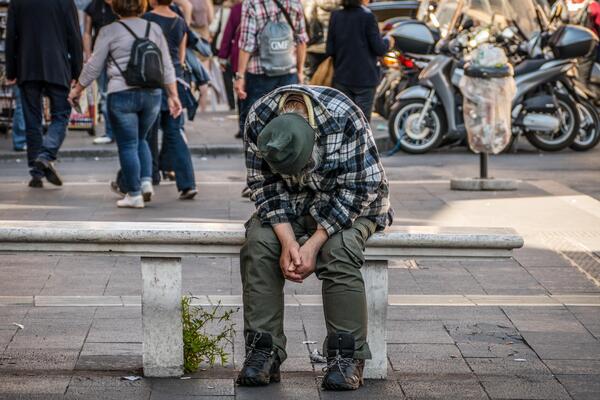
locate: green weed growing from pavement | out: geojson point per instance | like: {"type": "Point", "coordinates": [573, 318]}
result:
{"type": "Point", "coordinates": [200, 346]}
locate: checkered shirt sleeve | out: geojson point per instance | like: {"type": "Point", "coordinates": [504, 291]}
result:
{"type": "Point", "coordinates": [359, 178]}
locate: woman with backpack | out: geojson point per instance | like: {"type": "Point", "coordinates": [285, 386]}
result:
{"type": "Point", "coordinates": [139, 65]}
{"type": "Point", "coordinates": [175, 31]}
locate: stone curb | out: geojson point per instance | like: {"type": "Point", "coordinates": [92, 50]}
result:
{"type": "Point", "coordinates": [202, 150]}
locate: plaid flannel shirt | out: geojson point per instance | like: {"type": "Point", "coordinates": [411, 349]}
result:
{"type": "Point", "coordinates": [348, 183]}
{"type": "Point", "coordinates": [256, 14]}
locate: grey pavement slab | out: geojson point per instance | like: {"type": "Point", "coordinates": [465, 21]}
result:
{"type": "Point", "coordinates": [114, 330]}
{"type": "Point", "coordinates": [293, 386]}
{"type": "Point", "coordinates": [434, 386]}
{"type": "Point", "coordinates": [107, 387]}
{"type": "Point", "coordinates": [31, 386]}
{"type": "Point", "coordinates": [522, 366]}
{"type": "Point", "coordinates": [191, 387]}
{"type": "Point", "coordinates": [110, 357]}
{"type": "Point", "coordinates": [45, 334]}
{"type": "Point", "coordinates": [417, 332]}
{"type": "Point", "coordinates": [534, 387]}
{"type": "Point", "coordinates": [574, 367]}
{"type": "Point", "coordinates": [34, 361]}
{"type": "Point", "coordinates": [581, 387]}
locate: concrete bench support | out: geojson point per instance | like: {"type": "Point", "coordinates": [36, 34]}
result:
{"type": "Point", "coordinates": [161, 317]}
{"type": "Point", "coordinates": [375, 275]}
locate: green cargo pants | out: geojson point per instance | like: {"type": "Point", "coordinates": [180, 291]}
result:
{"type": "Point", "coordinates": [338, 267]}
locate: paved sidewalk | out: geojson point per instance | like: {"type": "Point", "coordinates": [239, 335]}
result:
{"type": "Point", "coordinates": [460, 328]}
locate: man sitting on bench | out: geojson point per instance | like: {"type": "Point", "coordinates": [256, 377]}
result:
{"type": "Point", "coordinates": [314, 170]}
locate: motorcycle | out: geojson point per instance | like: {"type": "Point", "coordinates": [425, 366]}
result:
{"type": "Point", "coordinates": [400, 71]}
{"type": "Point", "coordinates": [431, 112]}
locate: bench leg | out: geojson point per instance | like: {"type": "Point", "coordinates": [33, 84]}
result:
{"type": "Point", "coordinates": [161, 317]}
{"type": "Point", "coordinates": [375, 275]}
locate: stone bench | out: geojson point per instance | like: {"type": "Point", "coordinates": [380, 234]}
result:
{"type": "Point", "coordinates": [161, 246]}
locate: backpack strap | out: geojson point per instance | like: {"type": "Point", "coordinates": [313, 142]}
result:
{"type": "Point", "coordinates": [147, 34]}
{"type": "Point", "coordinates": [286, 15]}
{"type": "Point", "coordinates": [131, 30]}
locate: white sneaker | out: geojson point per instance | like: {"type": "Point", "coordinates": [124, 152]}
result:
{"type": "Point", "coordinates": [103, 140]}
{"type": "Point", "coordinates": [147, 191]}
{"type": "Point", "coordinates": [131, 202]}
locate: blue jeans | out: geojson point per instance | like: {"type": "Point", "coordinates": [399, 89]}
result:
{"type": "Point", "coordinates": [132, 113]}
{"type": "Point", "coordinates": [176, 151]}
{"type": "Point", "coordinates": [40, 146]}
{"type": "Point", "coordinates": [102, 88]}
{"type": "Point", "coordinates": [259, 85]}
{"type": "Point", "coordinates": [19, 136]}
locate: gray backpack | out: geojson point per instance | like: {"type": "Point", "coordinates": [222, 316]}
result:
{"type": "Point", "coordinates": [276, 44]}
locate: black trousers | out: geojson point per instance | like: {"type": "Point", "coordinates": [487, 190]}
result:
{"type": "Point", "coordinates": [361, 96]}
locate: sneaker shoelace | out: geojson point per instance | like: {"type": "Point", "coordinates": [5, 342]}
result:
{"type": "Point", "coordinates": [256, 357]}
{"type": "Point", "coordinates": [340, 363]}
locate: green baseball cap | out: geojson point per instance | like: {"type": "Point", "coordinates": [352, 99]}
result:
{"type": "Point", "coordinates": [286, 143]}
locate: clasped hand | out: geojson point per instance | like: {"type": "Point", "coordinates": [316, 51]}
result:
{"type": "Point", "coordinates": [298, 262]}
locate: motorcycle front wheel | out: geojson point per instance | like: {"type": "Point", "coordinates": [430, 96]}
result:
{"type": "Point", "coordinates": [569, 127]}
{"type": "Point", "coordinates": [589, 129]}
{"type": "Point", "coordinates": [416, 138]}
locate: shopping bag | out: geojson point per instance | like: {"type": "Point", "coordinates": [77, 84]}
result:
{"type": "Point", "coordinates": [323, 76]}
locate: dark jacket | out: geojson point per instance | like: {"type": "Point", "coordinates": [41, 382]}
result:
{"type": "Point", "coordinates": [354, 42]}
{"type": "Point", "coordinates": [43, 41]}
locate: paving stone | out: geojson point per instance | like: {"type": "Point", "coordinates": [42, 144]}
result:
{"type": "Point", "coordinates": [423, 352]}
{"type": "Point", "coordinates": [292, 387]}
{"type": "Point", "coordinates": [430, 367]}
{"type": "Point", "coordinates": [192, 387]}
{"type": "Point", "coordinates": [433, 386]}
{"type": "Point", "coordinates": [38, 360]}
{"type": "Point", "coordinates": [51, 334]}
{"type": "Point", "coordinates": [30, 385]}
{"type": "Point", "coordinates": [574, 367]}
{"type": "Point", "coordinates": [563, 280]}
{"type": "Point", "coordinates": [450, 314]}
{"type": "Point", "coordinates": [581, 387]}
{"type": "Point", "coordinates": [417, 332]}
{"type": "Point", "coordinates": [534, 387]}
{"type": "Point", "coordinates": [110, 357]}
{"type": "Point", "coordinates": [61, 313]}
{"type": "Point", "coordinates": [373, 389]}
{"type": "Point", "coordinates": [509, 366]}
{"type": "Point", "coordinates": [112, 330]}
{"type": "Point", "coordinates": [536, 258]}
{"type": "Point", "coordinates": [511, 278]}
{"type": "Point", "coordinates": [118, 313]}
{"type": "Point", "coordinates": [494, 350]}
{"type": "Point", "coordinates": [106, 387]}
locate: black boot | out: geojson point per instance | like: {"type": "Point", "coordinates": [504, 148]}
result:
{"type": "Point", "coordinates": [261, 366]}
{"type": "Point", "coordinates": [343, 372]}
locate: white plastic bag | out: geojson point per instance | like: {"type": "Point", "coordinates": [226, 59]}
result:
{"type": "Point", "coordinates": [487, 110]}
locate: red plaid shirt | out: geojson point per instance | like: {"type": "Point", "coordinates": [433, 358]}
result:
{"type": "Point", "coordinates": [256, 14]}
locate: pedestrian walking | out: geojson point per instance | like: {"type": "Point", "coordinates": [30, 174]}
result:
{"type": "Point", "coordinates": [97, 15]}
{"type": "Point", "coordinates": [230, 50]}
{"type": "Point", "coordinates": [318, 14]}
{"type": "Point", "coordinates": [265, 62]}
{"type": "Point", "coordinates": [272, 51]}
{"type": "Point", "coordinates": [19, 133]}
{"type": "Point", "coordinates": [43, 68]}
{"type": "Point", "coordinates": [313, 169]}
{"type": "Point", "coordinates": [134, 90]}
{"type": "Point", "coordinates": [354, 43]}
{"type": "Point", "coordinates": [203, 13]}
{"type": "Point", "coordinates": [177, 152]}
